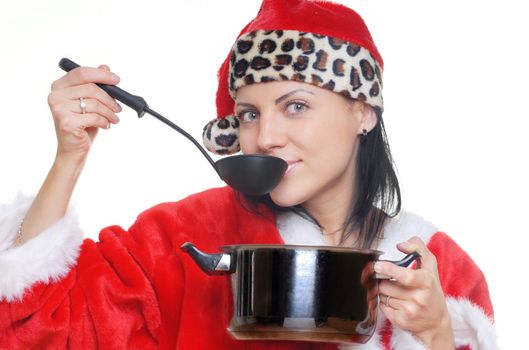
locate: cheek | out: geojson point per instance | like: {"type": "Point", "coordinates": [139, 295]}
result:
{"type": "Point", "coordinates": [293, 191]}
{"type": "Point", "coordinates": [247, 141]}
{"type": "Point", "coordinates": [326, 141]}
{"type": "Point", "coordinates": [328, 156]}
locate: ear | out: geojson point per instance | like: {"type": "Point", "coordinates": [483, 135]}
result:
{"type": "Point", "coordinates": [369, 118]}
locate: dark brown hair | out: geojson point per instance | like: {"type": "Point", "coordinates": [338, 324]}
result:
{"type": "Point", "coordinates": [378, 191]}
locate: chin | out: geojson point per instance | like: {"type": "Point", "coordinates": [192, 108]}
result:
{"type": "Point", "coordinates": [285, 196]}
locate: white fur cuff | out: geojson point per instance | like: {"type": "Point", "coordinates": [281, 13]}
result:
{"type": "Point", "coordinates": [45, 258]}
{"type": "Point", "coordinates": [471, 326]}
{"type": "Point", "coordinates": [404, 340]}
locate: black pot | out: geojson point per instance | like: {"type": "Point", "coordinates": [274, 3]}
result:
{"type": "Point", "coordinates": [290, 292]}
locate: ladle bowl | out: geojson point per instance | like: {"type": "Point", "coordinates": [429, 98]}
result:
{"type": "Point", "coordinates": [249, 174]}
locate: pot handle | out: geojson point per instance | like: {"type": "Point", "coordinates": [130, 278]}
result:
{"type": "Point", "coordinates": [405, 262]}
{"type": "Point", "coordinates": [212, 264]}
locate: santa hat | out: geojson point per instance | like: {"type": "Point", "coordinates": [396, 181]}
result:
{"type": "Point", "coordinates": [317, 42]}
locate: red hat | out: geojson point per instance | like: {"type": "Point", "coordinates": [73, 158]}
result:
{"type": "Point", "coordinates": [317, 42]}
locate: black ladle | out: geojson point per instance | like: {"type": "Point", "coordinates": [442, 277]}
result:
{"type": "Point", "coordinates": [250, 174]}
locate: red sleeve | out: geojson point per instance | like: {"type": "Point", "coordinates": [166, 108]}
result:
{"type": "Point", "coordinates": [467, 295]}
{"type": "Point", "coordinates": [136, 289]}
{"type": "Point", "coordinates": [123, 293]}
{"type": "Point", "coordinates": [460, 276]}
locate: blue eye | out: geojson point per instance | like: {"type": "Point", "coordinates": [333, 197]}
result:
{"type": "Point", "coordinates": [247, 116]}
{"type": "Point", "coordinates": [296, 107]}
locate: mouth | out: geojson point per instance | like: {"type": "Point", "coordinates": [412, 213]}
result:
{"type": "Point", "coordinates": [291, 166]}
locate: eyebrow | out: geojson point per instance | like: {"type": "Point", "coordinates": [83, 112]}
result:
{"type": "Point", "coordinates": [279, 99]}
{"type": "Point", "coordinates": [242, 104]}
{"type": "Point", "coordinates": [287, 95]}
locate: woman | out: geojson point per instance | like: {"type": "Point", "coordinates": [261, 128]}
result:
{"type": "Point", "coordinates": [304, 82]}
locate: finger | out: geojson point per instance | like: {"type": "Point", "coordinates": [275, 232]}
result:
{"type": "Point", "coordinates": [394, 289]}
{"type": "Point", "coordinates": [92, 120]}
{"type": "Point", "coordinates": [402, 313]}
{"type": "Point", "coordinates": [415, 244]}
{"type": "Point", "coordinates": [88, 91]}
{"type": "Point", "coordinates": [388, 301]}
{"type": "Point", "coordinates": [367, 273]}
{"type": "Point", "coordinates": [105, 67]}
{"type": "Point", "coordinates": [94, 106]}
{"type": "Point", "coordinates": [77, 126]}
{"type": "Point", "coordinates": [392, 314]}
{"type": "Point", "coordinates": [84, 75]}
{"type": "Point", "coordinates": [406, 277]}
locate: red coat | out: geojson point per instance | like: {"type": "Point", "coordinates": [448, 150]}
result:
{"type": "Point", "coordinates": [136, 289]}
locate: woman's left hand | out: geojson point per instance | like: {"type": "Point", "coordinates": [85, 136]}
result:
{"type": "Point", "coordinates": [413, 300]}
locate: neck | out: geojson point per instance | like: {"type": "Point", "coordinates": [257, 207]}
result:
{"type": "Point", "coordinates": [331, 213]}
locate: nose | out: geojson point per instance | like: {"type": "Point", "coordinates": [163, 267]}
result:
{"type": "Point", "coordinates": [272, 132]}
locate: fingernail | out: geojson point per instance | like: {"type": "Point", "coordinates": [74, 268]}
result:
{"type": "Point", "coordinates": [115, 77]}
{"type": "Point", "coordinates": [117, 107]}
{"type": "Point", "coordinates": [108, 126]}
{"type": "Point", "coordinates": [117, 118]}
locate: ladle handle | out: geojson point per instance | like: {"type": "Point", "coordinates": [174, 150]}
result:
{"type": "Point", "coordinates": [140, 106]}
{"type": "Point", "coordinates": [137, 103]}
{"type": "Point", "coordinates": [405, 262]}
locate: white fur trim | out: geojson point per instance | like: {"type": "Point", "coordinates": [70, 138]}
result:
{"type": "Point", "coordinates": [402, 228]}
{"type": "Point", "coordinates": [404, 340]}
{"type": "Point", "coordinates": [45, 258]}
{"type": "Point", "coordinates": [295, 229]}
{"type": "Point", "coordinates": [471, 326]}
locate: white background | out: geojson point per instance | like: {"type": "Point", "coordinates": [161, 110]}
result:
{"type": "Point", "coordinates": [455, 89]}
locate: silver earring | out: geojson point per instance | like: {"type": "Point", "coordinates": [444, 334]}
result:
{"type": "Point", "coordinates": [364, 132]}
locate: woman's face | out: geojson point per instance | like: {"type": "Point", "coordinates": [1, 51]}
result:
{"type": "Point", "coordinates": [314, 130]}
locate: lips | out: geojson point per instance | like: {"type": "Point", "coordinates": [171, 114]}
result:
{"type": "Point", "coordinates": [291, 166]}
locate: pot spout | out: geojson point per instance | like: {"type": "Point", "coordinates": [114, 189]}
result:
{"type": "Point", "coordinates": [212, 264]}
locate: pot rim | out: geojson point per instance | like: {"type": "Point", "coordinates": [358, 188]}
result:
{"type": "Point", "coordinates": [237, 247]}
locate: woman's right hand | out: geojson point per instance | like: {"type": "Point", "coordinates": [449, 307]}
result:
{"type": "Point", "coordinates": [75, 133]}
{"type": "Point", "coordinates": [76, 130]}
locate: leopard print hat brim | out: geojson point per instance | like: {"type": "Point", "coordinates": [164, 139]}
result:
{"type": "Point", "coordinates": [326, 62]}
{"type": "Point", "coordinates": [262, 55]}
